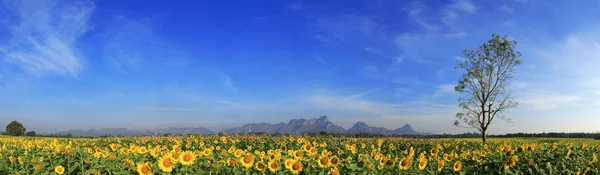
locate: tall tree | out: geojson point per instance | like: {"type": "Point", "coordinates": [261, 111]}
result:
{"type": "Point", "coordinates": [488, 70]}
{"type": "Point", "coordinates": [15, 128]}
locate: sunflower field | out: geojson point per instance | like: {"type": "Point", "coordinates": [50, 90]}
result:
{"type": "Point", "coordinates": [251, 154]}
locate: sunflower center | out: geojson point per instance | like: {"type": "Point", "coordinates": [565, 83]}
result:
{"type": "Point", "coordinates": [145, 169]}
{"type": "Point", "coordinates": [167, 163]}
{"type": "Point", "coordinates": [187, 157]}
{"type": "Point", "coordinates": [247, 159]}
{"type": "Point", "coordinates": [60, 169]}
{"type": "Point", "coordinates": [274, 166]}
{"type": "Point", "coordinates": [404, 162]}
{"type": "Point", "coordinates": [261, 166]}
{"type": "Point", "coordinates": [324, 161]}
{"type": "Point", "coordinates": [334, 161]}
{"type": "Point", "coordinates": [296, 166]}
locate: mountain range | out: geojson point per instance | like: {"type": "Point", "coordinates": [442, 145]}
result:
{"type": "Point", "coordinates": [294, 126]}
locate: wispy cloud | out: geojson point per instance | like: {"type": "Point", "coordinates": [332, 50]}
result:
{"type": "Point", "coordinates": [451, 13]}
{"type": "Point", "coordinates": [544, 102]}
{"type": "Point", "coordinates": [506, 8]}
{"type": "Point", "coordinates": [227, 82]}
{"type": "Point", "coordinates": [373, 51]}
{"type": "Point", "coordinates": [44, 34]}
{"type": "Point", "coordinates": [464, 5]}
{"type": "Point", "coordinates": [416, 13]}
{"type": "Point", "coordinates": [297, 5]}
{"type": "Point", "coordinates": [129, 43]}
{"type": "Point", "coordinates": [458, 35]}
{"type": "Point", "coordinates": [444, 89]}
{"type": "Point", "coordinates": [318, 58]}
{"type": "Point", "coordinates": [179, 109]}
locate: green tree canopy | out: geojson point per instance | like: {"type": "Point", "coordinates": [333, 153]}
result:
{"type": "Point", "coordinates": [15, 128]}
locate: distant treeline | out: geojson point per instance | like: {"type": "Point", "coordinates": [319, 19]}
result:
{"type": "Point", "coordinates": [369, 135]}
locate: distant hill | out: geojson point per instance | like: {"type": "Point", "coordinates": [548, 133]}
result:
{"type": "Point", "coordinates": [133, 132]}
{"type": "Point", "coordinates": [294, 126]}
{"type": "Point", "coordinates": [361, 127]}
{"type": "Point", "coordinates": [314, 125]}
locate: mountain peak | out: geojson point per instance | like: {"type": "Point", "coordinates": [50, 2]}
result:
{"type": "Point", "coordinates": [323, 118]}
{"type": "Point", "coordinates": [358, 124]}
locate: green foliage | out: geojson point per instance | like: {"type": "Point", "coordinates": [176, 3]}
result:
{"type": "Point", "coordinates": [15, 128]}
{"type": "Point", "coordinates": [488, 70]}
{"type": "Point", "coordinates": [30, 133]}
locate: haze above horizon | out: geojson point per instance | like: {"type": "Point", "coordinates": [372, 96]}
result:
{"type": "Point", "coordinates": [221, 64]}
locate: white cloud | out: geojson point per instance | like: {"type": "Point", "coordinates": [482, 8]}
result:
{"type": "Point", "coordinates": [444, 89]}
{"type": "Point", "coordinates": [318, 58]}
{"type": "Point", "coordinates": [179, 109]}
{"type": "Point", "coordinates": [401, 91]}
{"type": "Point", "coordinates": [506, 8]}
{"type": "Point", "coordinates": [457, 35]}
{"type": "Point", "coordinates": [373, 51]}
{"type": "Point", "coordinates": [464, 5]}
{"type": "Point", "coordinates": [226, 80]}
{"type": "Point", "coordinates": [416, 11]}
{"type": "Point", "coordinates": [544, 102]}
{"type": "Point", "coordinates": [44, 34]}
{"type": "Point", "coordinates": [296, 5]}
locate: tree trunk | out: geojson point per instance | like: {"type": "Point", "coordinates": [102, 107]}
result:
{"type": "Point", "coordinates": [483, 136]}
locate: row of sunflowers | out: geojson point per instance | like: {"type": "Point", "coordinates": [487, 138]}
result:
{"type": "Point", "coordinates": [252, 154]}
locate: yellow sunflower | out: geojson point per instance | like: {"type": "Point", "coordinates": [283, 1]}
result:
{"type": "Point", "coordinates": [422, 164]}
{"type": "Point", "coordinates": [334, 161]}
{"type": "Point", "coordinates": [296, 167]}
{"type": "Point", "coordinates": [289, 163]}
{"type": "Point", "coordinates": [260, 166]}
{"type": "Point", "coordinates": [273, 165]}
{"type": "Point", "coordinates": [593, 159]}
{"type": "Point", "coordinates": [238, 153]}
{"type": "Point", "coordinates": [144, 169]}
{"type": "Point", "coordinates": [187, 158]}
{"type": "Point", "coordinates": [405, 163]}
{"type": "Point", "coordinates": [511, 162]}
{"type": "Point", "coordinates": [323, 162]}
{"type": "Point", "coordinates": [298, 154]}
{"type": "Point", "coordinates": [165, 164]}
{"type": "Point", "coordinates": [59, 169]}
{"type": "Point", "coordinates": [457, 166]}
{"type": "Point", "coordinates": [440, 165]}
{"type": "Point", "coordinates": [247, 161]}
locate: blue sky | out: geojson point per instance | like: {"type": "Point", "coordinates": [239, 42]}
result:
{"type": "Point", "coordinates": [220, 64]}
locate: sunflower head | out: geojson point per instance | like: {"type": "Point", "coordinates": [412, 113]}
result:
{"type": "Point", "coordinates": [296, 167]}
{"type": "Point", "coordinates": [59, 169]}
{"type": "Point", "coordinates": [144, 169]}
{"type": "Point", "coordinates": [273, 165]}
{"type": "Point", "coordinates": [247, 161]}
{"type": "Point", "coordinates": [187, 158]}
{"type": "Point", "coordinates": [260, 166]}
{"type": "Point", "coordinates": [422, 164]}
{"type": "Point", "coordinates": [457, 166]}
{"type": "Point", "coordinates": [165, 164]}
